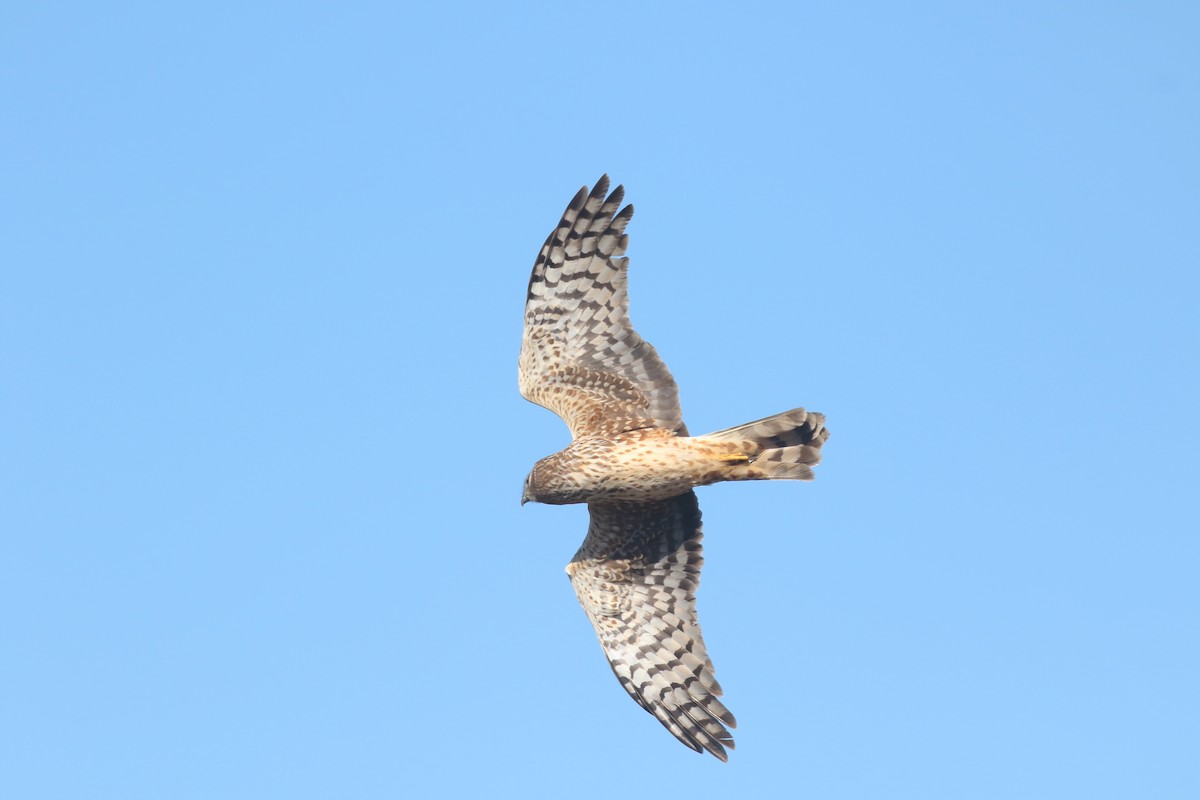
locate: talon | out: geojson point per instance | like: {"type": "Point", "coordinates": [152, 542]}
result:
{"type": "Point", "coordinates": [734, 458]}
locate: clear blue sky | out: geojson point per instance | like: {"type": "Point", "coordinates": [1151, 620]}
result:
{"type": "Point", "coordinates": [262, 269]}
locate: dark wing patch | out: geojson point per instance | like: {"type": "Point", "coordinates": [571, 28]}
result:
{"type": "Point", "coordinates": [581, 357]}
{"type": "Point", "coordinates": [636, 577]}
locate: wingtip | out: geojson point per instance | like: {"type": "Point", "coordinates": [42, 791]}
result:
{"type": "Point", "coordinates": [601, 187]}
{"type": "Point", "coordinates": [717, 749]}
{"type": "Point", "coordinates": [578, 200]}
{"type": "Point", "coordinates": [600, 190]}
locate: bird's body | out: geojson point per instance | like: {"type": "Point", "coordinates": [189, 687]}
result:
{"type": "Point", "coordinates": [640, 465]}
{"type": "Point", "coordinates": [632, 461]}
{"type": "Point", "coordinates": [649, 464]}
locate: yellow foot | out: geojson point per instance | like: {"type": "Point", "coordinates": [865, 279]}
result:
{"type": "Point", "coordinates": [734, 458]}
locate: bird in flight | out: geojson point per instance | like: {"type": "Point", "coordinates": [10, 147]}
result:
{"type": "Point", "coordinates": [633, 462]}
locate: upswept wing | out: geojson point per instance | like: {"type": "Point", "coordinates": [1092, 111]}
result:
{"type": "Point", "coordinates": [636, 577]}
{"type": "Point", "coordinates": [581, 357]}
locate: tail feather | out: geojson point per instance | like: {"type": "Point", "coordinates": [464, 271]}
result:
{"type": "Point", "coordinates": [782, 447]}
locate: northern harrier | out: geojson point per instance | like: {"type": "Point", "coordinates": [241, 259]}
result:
{"type": "Point", "coordinates": [632, 461]}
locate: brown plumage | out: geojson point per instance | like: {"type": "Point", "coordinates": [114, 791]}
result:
{"type": "Point", "coordinates": [632, 461]}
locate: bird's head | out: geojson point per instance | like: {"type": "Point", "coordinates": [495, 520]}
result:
{"type": "Point", "coordinates": [551, 482]}
{"type": "Point", "coordinates": [537, 483]}
{"type": "Point", "coordinates": [527, 493]}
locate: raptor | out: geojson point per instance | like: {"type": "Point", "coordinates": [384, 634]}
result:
{"type": "Point", "coordinates": [633, 462]}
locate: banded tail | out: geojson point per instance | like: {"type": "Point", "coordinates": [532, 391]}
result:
{"type": "Point", "coordinates": [782, 447]}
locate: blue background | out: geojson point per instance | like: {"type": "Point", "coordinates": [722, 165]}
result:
{"type": "Point", "coordinates": [263, 268]}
